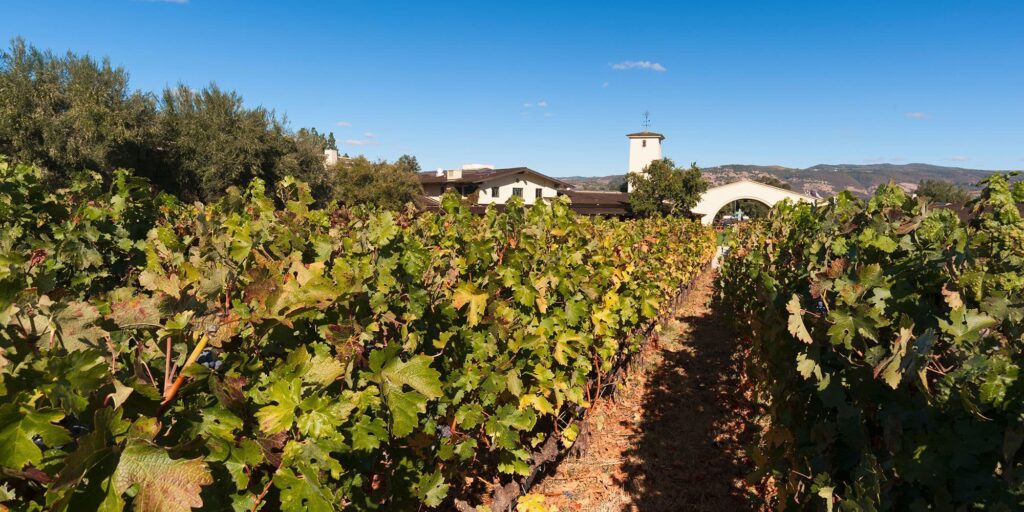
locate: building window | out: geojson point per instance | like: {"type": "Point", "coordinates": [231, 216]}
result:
{"type": "Point", "coordinates": [494, 191]}
{"type": "Point", "coordinates": [540, 193]}
{"type": "Point", "coordinates": [517, 191]}
{"type": "Point", "coordinates": [644, 143]}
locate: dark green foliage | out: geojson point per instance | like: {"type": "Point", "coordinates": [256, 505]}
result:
{"type": "Point", "coordinates": [887, 338]}
{"type": "Point", "coordinates": [383, 184]}
{"type": "Point", "coordinates": [209, 141]}
{"type": "Point", "coordinates": [943, 192]}
{"type": "Point", "coordinates": [666, 189]}
{"type": "Point", "coordinates": [71, 113]}
{"type": "Point", "coordinates": [407, 164]}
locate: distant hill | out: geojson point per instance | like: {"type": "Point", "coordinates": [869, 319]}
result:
{"type": "Point", "coordinates": [821, 179]}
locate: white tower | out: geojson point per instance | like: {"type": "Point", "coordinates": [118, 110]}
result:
{"type": "Point", "coordinates": [644, 148]}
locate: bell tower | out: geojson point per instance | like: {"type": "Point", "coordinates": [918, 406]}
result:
{"type": "Point", "coordinates": [644, 148]}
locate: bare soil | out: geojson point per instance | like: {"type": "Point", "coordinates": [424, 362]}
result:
{"type": "Point", "coordinates": [674, 436]}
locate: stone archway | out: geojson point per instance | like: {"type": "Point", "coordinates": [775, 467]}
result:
{"type": "Point", "coordinates": [716, 198]}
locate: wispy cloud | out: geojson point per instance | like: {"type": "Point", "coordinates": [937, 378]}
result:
{"type": "Point", "coordinates": [343, 124]}
{"type": "Point", "coordinates": [639, 64]}
{"type": "Point", "coordinates": [370, 135]}
{"type": "Point", "coordinates": [960, 158]}
{"type": "Point", "coordinates": [917, 115]}
{"type": "Point", "coordinates": [539, 104]}
{"type": "Point", "coordinates": [360, 142]}
{"type": "Point", "coordinates": [527, 105]}
{"type": "Point", "coordinates": [548, 114]}
{"type": "Point", "coordinates": [542, 104]}
{"type": "Point", "coordinates": [604, 85]}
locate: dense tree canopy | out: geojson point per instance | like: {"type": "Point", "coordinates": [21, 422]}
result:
{"type": "Point", "coordinates": [943, 192]}
{"type": "Point", "coordinates": [66, 113]}
{"type": "Point", "coordinates": [390, 185]}
{"type": "Point", "coordinates": [666, 189]}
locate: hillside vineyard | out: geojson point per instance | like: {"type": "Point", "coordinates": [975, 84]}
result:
{"type": "Point", "coordinates": [255, 353]}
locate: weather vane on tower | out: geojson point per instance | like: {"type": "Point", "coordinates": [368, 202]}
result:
{"type": "Point", "coordinates": [647, 121]}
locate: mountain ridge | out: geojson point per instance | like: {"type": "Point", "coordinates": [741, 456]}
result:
{"type": "Point", "coordinates": [820, 179]}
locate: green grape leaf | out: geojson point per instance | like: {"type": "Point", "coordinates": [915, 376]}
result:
{"type": "Point", "coordinates": [303, 491]}
{"type": "Point", "coordinates": [368, 434]}
{"type": "Point", "coordinates": [431, 489]}
{"type": "Point", "coordinates": [17, 429]}
{"type": "Point", "coordinates": [405, 407]}
{"type": "Point", "coordinates": [322, 415]}
{"type": "Point", "coordinates": [287, 394]}
{"type": "Point", "coordinates": [415, 373]}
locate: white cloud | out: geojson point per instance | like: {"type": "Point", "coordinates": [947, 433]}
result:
{"type": "Point", "coordinates": [542, 104]}
{"type": "Point", "coordinates": [917, 115]}
{"type": "Point", "coordinates": [343, 124]}
{"type": "Point", "coordinates": [639, 64]}
{"type": "Point", "coordinates": [370, 135]}
{"type": "Point", "coordinates": [960, 158]}
{"type": "Point", "coordinates": [527, 105]}
{"type": "Point", "coordinates": [360, 142]}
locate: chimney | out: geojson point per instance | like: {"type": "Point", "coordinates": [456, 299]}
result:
{"type": "Point", "coordinates": [330, 157]}
{"type": "Point", "coordinates": [439, 172]}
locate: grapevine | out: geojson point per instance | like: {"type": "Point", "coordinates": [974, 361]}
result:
{"type": "Point", "coordinates": [886, 344]}
{"type": "Point", "coordinates": [256, 353]}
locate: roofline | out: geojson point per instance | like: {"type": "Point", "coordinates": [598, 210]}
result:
{"type": "Point", "coordinates": [645, 135]}
{"type": "Point", "coordinates": [522, 170]}
{"type": "Point", "coordinates": [495, 173]}
{"type": "Point", "coordinates": [755, 182]}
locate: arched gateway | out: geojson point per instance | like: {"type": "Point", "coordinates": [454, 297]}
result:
{"type": "Point", "coordinates": [718, 197]}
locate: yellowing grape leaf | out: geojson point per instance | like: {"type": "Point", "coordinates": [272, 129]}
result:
{"type": "Point", "coordinates": [534, 502]}
{"type": "Point", "coordinates": [477, 300]}
{"type": "Point", "coordinates": [165, 484]}
{"type": "Point", "coordinates": [796, 321]}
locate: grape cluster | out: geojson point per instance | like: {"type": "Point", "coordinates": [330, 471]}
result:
{"type": "Point", "coordinates": [209, 359]}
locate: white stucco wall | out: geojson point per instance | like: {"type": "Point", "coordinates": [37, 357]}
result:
{"type": "Point", "coordinates": [505, 185]}
{"type": "Point", "coordinates": [529, 184]}
{"type": "Point", "coordinates": [718, 197]}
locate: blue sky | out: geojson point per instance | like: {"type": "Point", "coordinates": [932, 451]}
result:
{"type": "Point", "coordinates": [539, 83]}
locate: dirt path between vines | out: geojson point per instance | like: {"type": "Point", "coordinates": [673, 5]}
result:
{"type": "Point", "coordinates": [675, 437]}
